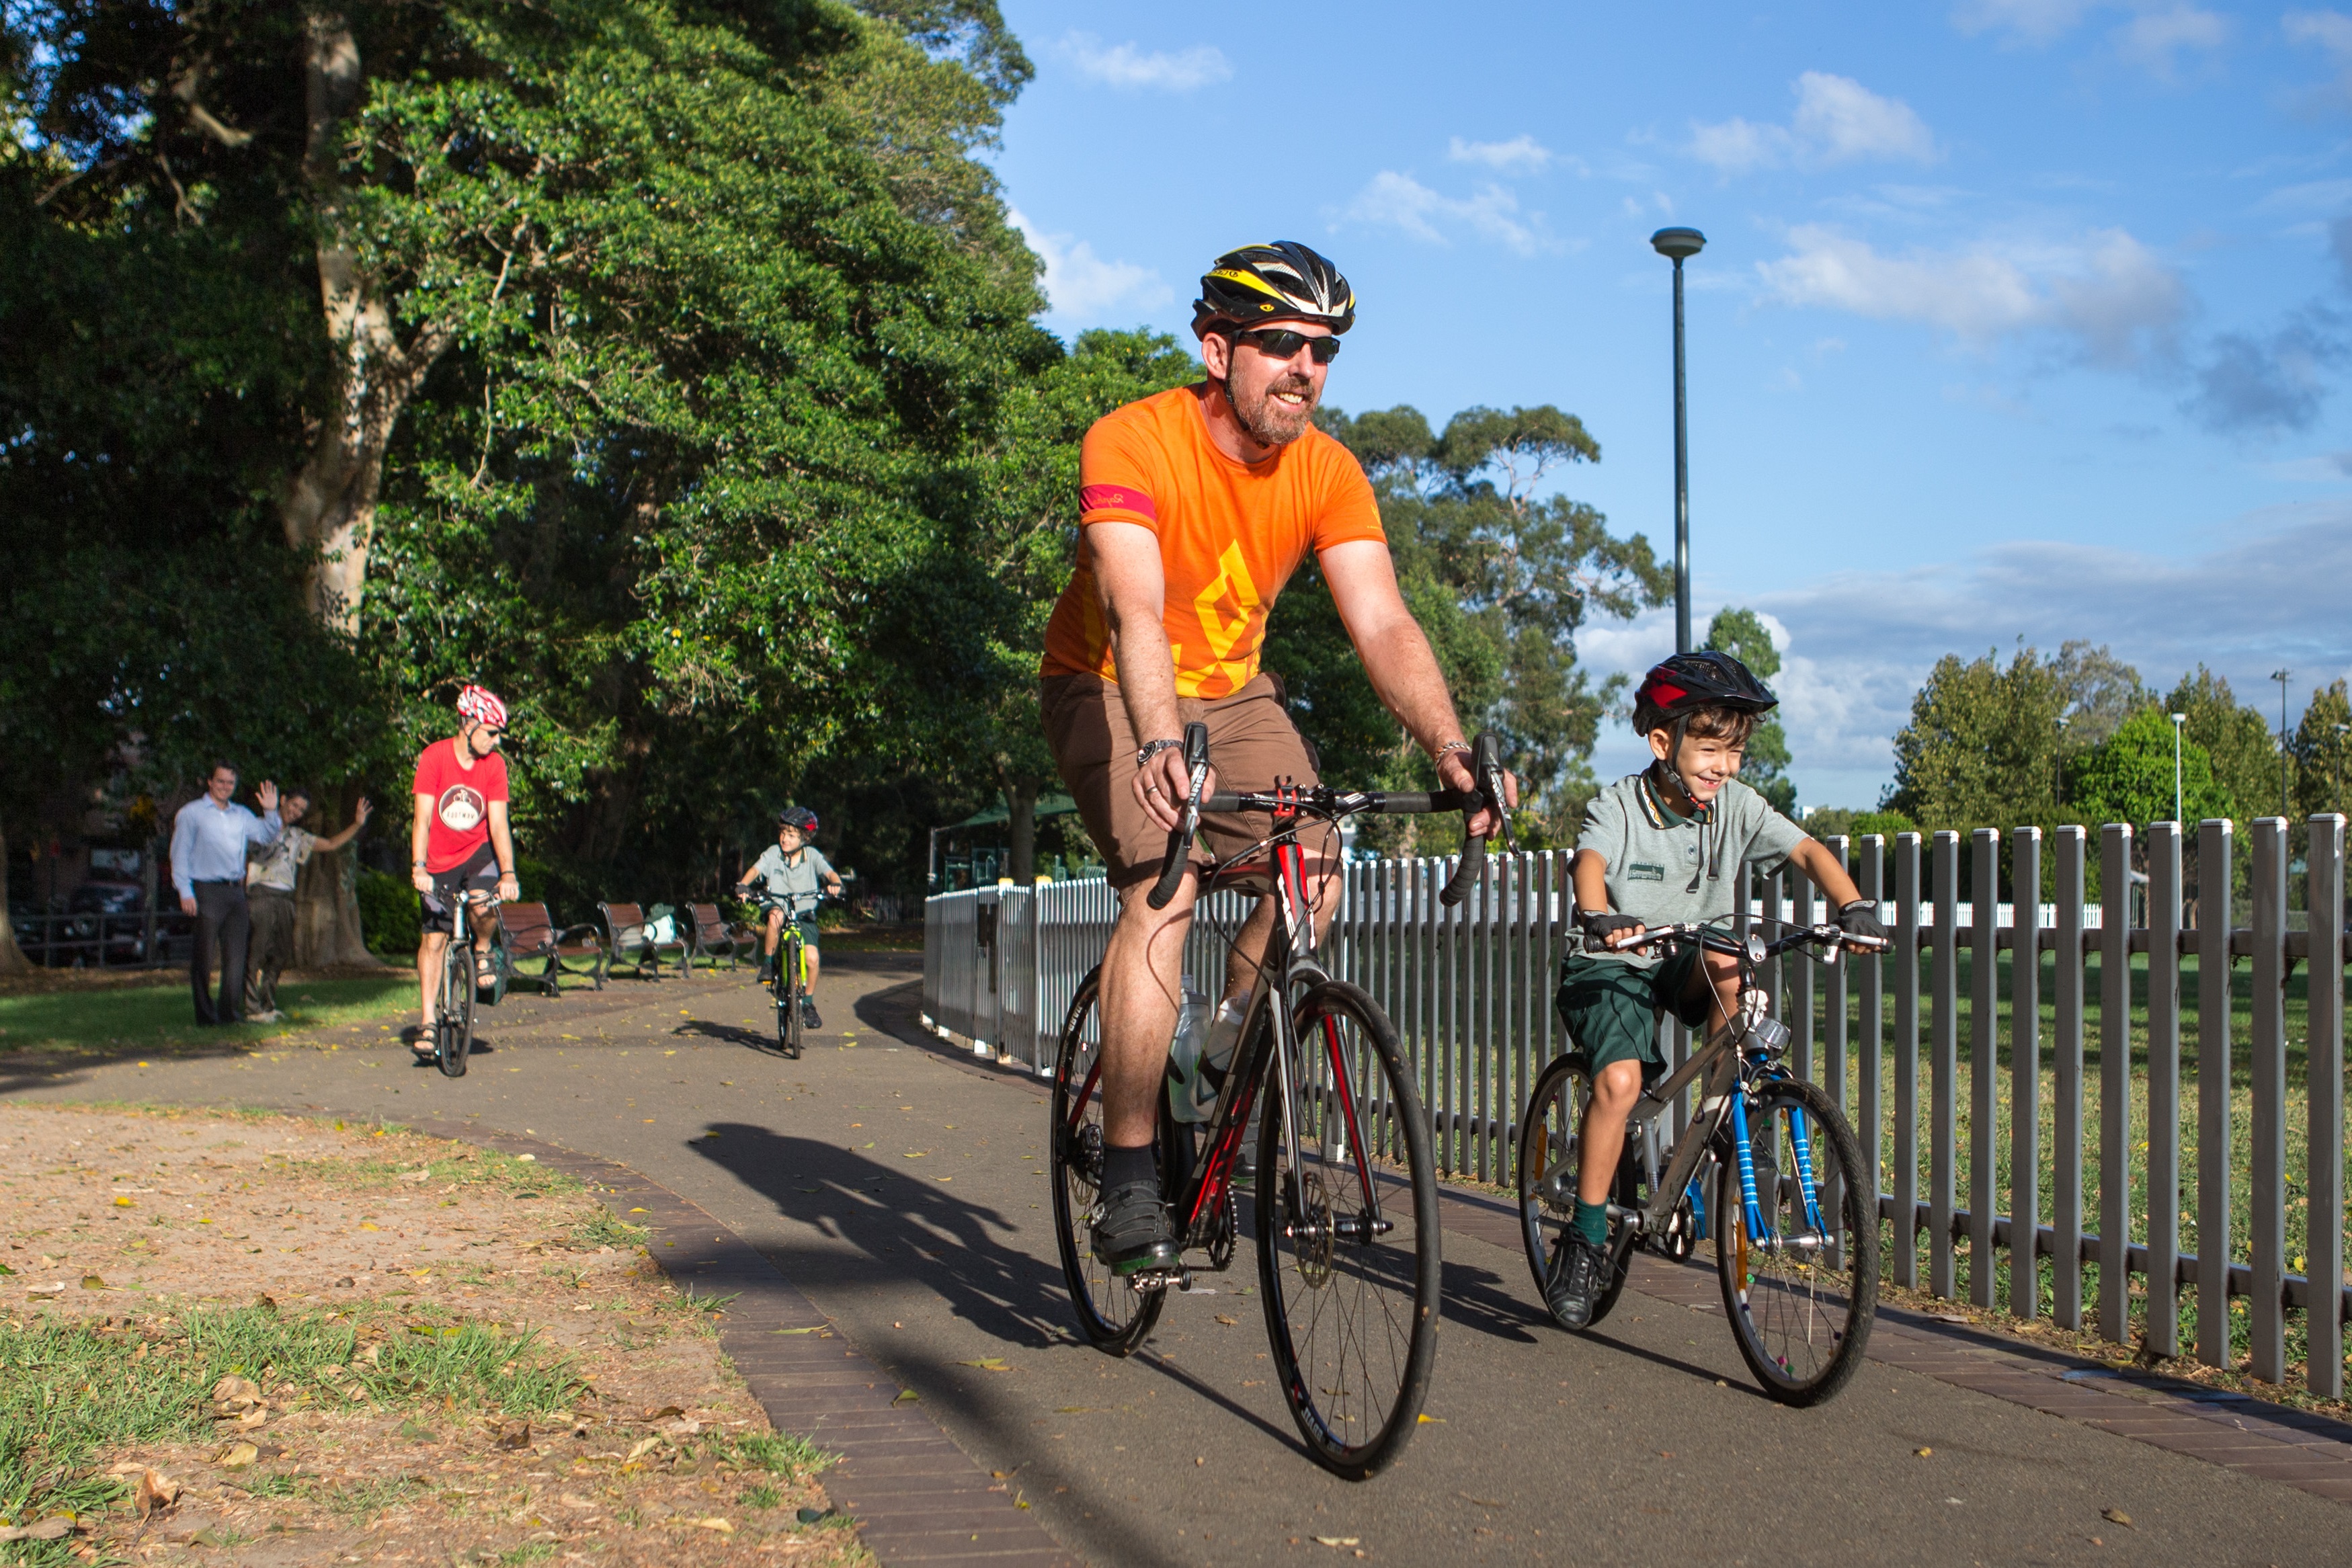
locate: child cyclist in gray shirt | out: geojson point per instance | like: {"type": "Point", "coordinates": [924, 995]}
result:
{"type": "Point", "coordinates": [1661, 847]}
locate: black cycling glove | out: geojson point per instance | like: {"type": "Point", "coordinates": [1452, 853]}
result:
{"type": "Point", "coordinates": [1860, 918]}
{"type": "Point", "coordinates": [1600, 924]}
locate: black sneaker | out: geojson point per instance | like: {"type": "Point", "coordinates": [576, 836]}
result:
{"type": "Point", "coordinates": [808, 1014]}
{"type": "Point", "coordinates": [1573, 1284]}
{"type": "Point", "coordinates": [1131, 1230]}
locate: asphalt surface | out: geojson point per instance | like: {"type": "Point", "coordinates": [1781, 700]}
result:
{"type": "Point", "coordinates": [903, 1188]}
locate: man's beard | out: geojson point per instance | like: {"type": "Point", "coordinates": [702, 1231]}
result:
{"type": "Point", "coordinates": [1270, 422]}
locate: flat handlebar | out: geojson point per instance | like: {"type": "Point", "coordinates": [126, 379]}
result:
{"type": "Point", "coordinates": [1485, 766]}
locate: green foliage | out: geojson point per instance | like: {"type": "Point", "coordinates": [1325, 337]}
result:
{"type": "Point", "coordinates": [1834, 821]}
{"type": "Point", "coordinates": [391, 913]}
{"type": "Point", "coordinates": [2240, 741]}
{"type": "Point", "coordinates": [1739, 634]}
{"type": "Point", "coordinates": [2130, 777]}
{"type": "Point", "coordinates": [1501, 578]}
{"type": "Point", "coordinates": [2322, 748]}
{"type": "Point", "coordinates": [1982, 748]}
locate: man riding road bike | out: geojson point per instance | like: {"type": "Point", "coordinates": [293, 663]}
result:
{"type": "Point", "coordinates": [1199, 503]}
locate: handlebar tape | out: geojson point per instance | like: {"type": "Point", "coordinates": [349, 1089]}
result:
{"type": "Point", "coordinates": [1485, 766]}
{"type": "Point", "coordinates": [1180, 837]}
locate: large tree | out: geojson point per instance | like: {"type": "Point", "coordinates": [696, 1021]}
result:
{"type": "Point", "coordinates": [1502, 570]}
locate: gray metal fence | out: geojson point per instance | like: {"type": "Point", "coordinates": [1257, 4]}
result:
{"type": "Point", "coordinates": [2102, 1200]}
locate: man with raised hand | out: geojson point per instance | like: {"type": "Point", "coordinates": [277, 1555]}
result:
{"type": "Point", "coordinates": [1199, 503]}
{"type": "Point", "coordinates": [209, 839]}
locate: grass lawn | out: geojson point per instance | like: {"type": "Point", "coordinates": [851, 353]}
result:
{"type": "Point", "coordinates": [162, 1017]}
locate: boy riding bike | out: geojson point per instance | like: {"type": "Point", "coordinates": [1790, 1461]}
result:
{"type": "Point", "coordinates": [788, 875]}
{"type": "Point", "coordinates": [1660, 847]}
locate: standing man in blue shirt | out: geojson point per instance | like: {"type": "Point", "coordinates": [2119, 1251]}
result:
{"type": "Point", "coordinates": [209, 838]}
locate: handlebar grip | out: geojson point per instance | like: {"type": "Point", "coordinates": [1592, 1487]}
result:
{"type": "Point", "coordinates": [1474, 862]}
{"type": "Point", "coordinates": [1486, 771]}
{"type": "Point", "coordinates": [1223, 800]}
{"type": "Point", "coordinates": [1180, 837]}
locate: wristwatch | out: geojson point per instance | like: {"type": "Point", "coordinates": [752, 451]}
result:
{"type": "Point", "coordinates": [1151, 749]}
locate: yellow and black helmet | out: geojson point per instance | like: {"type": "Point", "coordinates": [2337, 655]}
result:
{"type": "Point", "coordinates": [1285, 281]}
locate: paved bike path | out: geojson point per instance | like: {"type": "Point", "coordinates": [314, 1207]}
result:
{"type": "Point", "coordinates": [903, 1190]}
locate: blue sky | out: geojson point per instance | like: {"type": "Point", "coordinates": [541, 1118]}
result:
{"type": "Point", "coordinates": [2017, 317]}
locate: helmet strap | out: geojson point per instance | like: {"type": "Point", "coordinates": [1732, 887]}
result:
{"type": "Point", "coordinates": [1666, 771]}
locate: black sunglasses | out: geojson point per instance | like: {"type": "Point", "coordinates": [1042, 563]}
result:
{"type": "Point", "coordinates": [1281, 343]}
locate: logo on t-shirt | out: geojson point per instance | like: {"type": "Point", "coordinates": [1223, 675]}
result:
{"type": "Point", "coordinates": [461, 808]}
{"type": "Point", "coordinates": [1644, 871]}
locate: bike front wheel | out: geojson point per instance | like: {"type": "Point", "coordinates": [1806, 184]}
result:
{"type": "Point", "coordinates": [789, 1023]}
{"type": "Point", "coordinates": [1800, 1272]}
{"type": "Point", "coordinates": [1551, 1157]}
{"type": "Point", "coordinates": [1347, 1237]}
{"type": "Point", "coordinates": [453, 1026]}
{"type": "Point", "coordinates": [1112, 1314]}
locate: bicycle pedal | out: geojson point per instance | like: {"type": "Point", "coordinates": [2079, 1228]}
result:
{"type": "Point", "coordinates": [1144, 1282]}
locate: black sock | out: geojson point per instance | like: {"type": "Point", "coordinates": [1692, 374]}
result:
{"type": "Point", "coordinates": [1124, 1167]}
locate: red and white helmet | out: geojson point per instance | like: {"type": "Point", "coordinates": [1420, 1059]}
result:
{"type": "Point", "coordinates": [482, 705]}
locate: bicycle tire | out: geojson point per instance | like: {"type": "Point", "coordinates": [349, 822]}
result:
{"type": "Point", "coordinates": [1801, 1326]}
{"type": "Point", "coordinates": [453, 1030]}
{"type": "Point", "coordinates": [1313, 1275]}
{"type": "Point", "coordinates": [1547, 1167]}
{"type": "Point", "coordinates": [1112, 1314]}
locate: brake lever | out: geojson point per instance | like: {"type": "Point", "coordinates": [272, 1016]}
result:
{"type": "Point", "coordinates": [1180, 837]}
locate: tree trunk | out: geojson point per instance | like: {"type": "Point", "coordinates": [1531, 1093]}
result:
{"type": "Point", "coordinates": [12, 958]}
{"type": "Point", "coordinates": [329, 508]}
{"type": "Point", "coordinates": [1021, 809]}
{"type": "Point", "coordinates": [326, 897]}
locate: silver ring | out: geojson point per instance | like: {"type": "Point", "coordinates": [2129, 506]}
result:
{"type": "Point", "coordinates": [1151, 788]}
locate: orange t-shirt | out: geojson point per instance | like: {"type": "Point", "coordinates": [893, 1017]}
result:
{"type": "Point", "coordinates": [1229, 535]}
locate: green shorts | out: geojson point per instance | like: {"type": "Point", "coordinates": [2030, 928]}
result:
{"type": "Point", "coordinates": [1611, 1010]}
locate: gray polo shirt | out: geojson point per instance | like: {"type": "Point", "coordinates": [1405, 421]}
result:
{"type": "Point", "coordinates": [1662, 869]}
{"type": "Point", "coordinates": [798, 878]}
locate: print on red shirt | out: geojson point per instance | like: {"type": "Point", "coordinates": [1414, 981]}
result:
{"type": "Point", "coordinates": [461, 796]}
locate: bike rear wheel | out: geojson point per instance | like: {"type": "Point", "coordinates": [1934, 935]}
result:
{"type": "Point", "coordinates": [1551, 1139]}
{"type": "Point", "coordinates": [1802, 1291]}
{"type": "Point", "coordinates": [1112, 1314]}
{"type": "Point", "coordinates": [453, 1023]}
{"type": "Point", "coordinates": [1347, 1237]}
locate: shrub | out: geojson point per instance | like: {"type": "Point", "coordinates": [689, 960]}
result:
{"type": "Point", "coordinates": [392, 917]}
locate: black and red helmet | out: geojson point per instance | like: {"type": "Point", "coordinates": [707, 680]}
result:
{"type": "Point", "coordinates": [1688, 681]}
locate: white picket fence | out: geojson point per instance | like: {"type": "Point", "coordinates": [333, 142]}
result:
{"type": "Point", "coordinates": [1470, 989]}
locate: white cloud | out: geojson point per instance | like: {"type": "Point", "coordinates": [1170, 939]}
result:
{"type": "Point", "coordinates": [1081, 285]}
{"type": "Point", "coordinates": [1402, 201]}
{"type": "Point", "coordinates": [1858, 644]}
{"type": "Point", "coordinates": [2328, 31]}
{"type": "Point", "coordinates": [2107, 292]}
{"type": "Point", "coordinates": [2034, 21]}
{"type": "Point", "coordinates": [1838, 121]}
{"type": "Point", "coordinates": [1126, 65]}
{"type": "Point", "coordinates": [1521, 154]}
{"type": "Point", "coordinates": [2153, 38]}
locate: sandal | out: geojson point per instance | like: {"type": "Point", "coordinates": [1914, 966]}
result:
{"type": "Point", "coordinates": [486, 973]}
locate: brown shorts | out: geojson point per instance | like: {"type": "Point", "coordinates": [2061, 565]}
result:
{"type": "Point", "coordinates": [1252, 746]}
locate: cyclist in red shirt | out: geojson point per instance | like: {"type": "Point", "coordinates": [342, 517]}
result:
{"type": "Point", "coordinates": [459, 846]}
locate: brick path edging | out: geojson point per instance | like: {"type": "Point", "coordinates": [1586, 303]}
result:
{"type": "Point", "coordinates": [917, 1499]}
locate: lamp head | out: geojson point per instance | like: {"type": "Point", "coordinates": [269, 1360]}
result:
{"type": "Point", "coordinates": [2180, 719]}
{"type": "Point", "coordinates": [1677, 243]}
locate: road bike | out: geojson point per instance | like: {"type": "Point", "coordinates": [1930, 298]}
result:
{"type": "Point", "coordinates": [1344, 1193]}
{"type": "Point", "coordinates": [790, 983]}
{"type": "Point", "coordinates": [453, 997]}
{"type": "Point", "coordinates": [1793, 1212]}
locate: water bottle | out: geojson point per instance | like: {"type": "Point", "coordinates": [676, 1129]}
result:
{"type": "Point", "coordinates": [1225, 1033]}
{"type": "Point", "coordinates": [1184, 1056]}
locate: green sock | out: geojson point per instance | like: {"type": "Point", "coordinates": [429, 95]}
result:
{"type": "Point", "coordinates": [1592, 1222]}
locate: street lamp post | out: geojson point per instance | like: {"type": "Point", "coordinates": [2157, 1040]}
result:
{"type": "Point", "coordinates": [2178, 721]}
{"type": "Point", "coordinates": [2281, 676]}
{"type": "Point", "coordinates": [1679, 244]}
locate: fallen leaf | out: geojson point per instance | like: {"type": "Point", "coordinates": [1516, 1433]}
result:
{"type": "Point", "coordinates": [907, 1397]}
{"type": "Point", "coordinates": [2117, 1516]}
{"type": "Point", "coordinates": [664, 1414]}
{"type": "Point", "coordinates": [515, 1437]}
{"type": "Point", "coordinates": [643, 1447]}
{"type": "Point", "coordinates": [1427, 1420]}
{"type": "Point", "coordinates": [365, 1226]}
{"type": "Point", "coordinates": [53, 1290]}
{"type": "Point", "coordinates": [123, 1202]}
{"type": "Point", "coordinates": [720, 1525]}
{"type": "Point", "coordinates": [92, 1282]}
{"type": "Point", "coordinates": [236, 1456]}
{"type": "Point", "coordinates": [1337, 1540]}
{"type": "Point", "coordinates": [810, 1515]}
{"type": "Point", "coordinates": [56, 1527]}
{"type": "Point", "coordinates": [1923, 1453]}
{"type": "Point", "coordinates": [1229, 1323]}
{"type": "Point", "coordinates": [987, 1364]}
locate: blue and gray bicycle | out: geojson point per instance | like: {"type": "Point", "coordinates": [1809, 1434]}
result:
{"type": "Point", "coordinates": [1766, 1168]}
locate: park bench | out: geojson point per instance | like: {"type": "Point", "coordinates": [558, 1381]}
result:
{"type": "Point", "coordinates": [528, 933]}
{"type": "Point", "coordinates": [714, 934]}
{"type": "Point", "coordinates": [636, 939]}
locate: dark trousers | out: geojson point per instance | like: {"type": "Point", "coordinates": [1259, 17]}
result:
{"type": "Point", "coordinates": [273, 945]}
{"type": "Point", "coordinates": [223, 920]}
